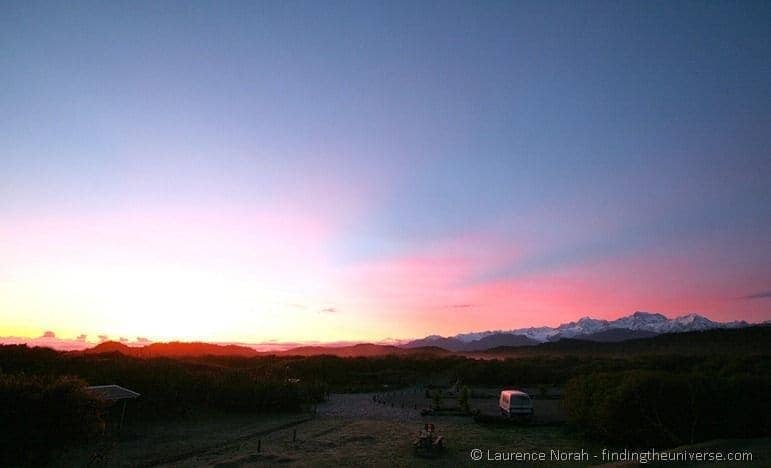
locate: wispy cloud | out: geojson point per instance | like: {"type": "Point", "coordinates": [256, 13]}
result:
{"type": "Point", "coordinates": [759, 295]}
{"type": "Point", "coordinates": [48, 340]}
{"type": "Point", "coordinates": [329, 310]}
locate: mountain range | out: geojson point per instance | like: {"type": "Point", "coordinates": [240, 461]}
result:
{"type": "Point", "coordinates": [636, 325]}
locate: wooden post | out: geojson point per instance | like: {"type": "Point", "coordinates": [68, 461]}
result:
{"type": "Point", "coordinates": [294, 435]}
{"type": "Point", "coordinates": [259, 445]}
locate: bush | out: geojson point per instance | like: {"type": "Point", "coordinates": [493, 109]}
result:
{"type": "Point", "coordinates": [41, 414]}
{"type": "Point", "coordinates": [663, 409]}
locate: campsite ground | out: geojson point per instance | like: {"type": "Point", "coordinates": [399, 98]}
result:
{"type": "Point", "coordinates": [347, 430]}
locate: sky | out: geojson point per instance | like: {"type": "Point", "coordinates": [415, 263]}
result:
{"type": "Point", "coordinates": [326, 171]}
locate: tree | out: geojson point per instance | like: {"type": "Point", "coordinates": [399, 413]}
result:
{"type": "Point", "coordinates": [463, 400]}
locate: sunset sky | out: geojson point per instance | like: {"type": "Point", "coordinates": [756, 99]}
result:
{"type": "Point", "coordinates": [297, 171]}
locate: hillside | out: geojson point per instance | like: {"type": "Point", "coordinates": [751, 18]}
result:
{"type": "Point", "coordinates": [180, 349]}
{"type": "Point", "coordinates": [173, 349]}
{"type": "Point", "coordinates": [755, 340]}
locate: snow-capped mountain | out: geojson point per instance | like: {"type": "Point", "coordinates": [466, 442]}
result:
{"type": "Point", "coordinates": [642, 321]}
{"type": "Point", "coordinates": [539, 334]}
{"type": "Point", "coordinates": [584, 326]}
{"type": "Point", "coordinates": [639, 324]}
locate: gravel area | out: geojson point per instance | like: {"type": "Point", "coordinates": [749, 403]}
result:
{"type": "Point", "coordinates": [364, 406]}
{"type": "Point", "coordinates": [406, 404]}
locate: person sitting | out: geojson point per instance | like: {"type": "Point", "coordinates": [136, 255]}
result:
{"type": "Point", "coordinates": [424, 437]}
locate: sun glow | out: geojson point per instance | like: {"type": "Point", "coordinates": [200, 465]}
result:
{"type": "Point", "coordinates": [162, 302]}
{"type": "Point", "coordinates": [238, 276]}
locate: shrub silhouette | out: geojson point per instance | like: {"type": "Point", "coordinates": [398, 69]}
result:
{"type": "Point", "coordinates": [41, 414]}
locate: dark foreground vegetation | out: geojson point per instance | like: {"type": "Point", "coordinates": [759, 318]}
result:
{"type": "Point", "coordinates": [43, 413]}
{"type": "Point", "coordinates": [629, 397]}
{"type": "Point", "coordinates": [664, 409]}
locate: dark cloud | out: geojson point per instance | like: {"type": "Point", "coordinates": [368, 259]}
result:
{"type": "Point", "coordinates": [103, 337]}
{"type": "Point", "coordinates": [123, 339]}
{"type": "Point", "coordinates": [82, 337]}
{"type": "Point", "coordinates": [760, 295]}
{"type": "Point", "coordinates": [142, 339]}
{"type": "Point", "coordinates": [49, 334]}
{"type": "Point", "coordinates": [329, 310]}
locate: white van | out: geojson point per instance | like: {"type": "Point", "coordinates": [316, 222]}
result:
{"type": "Point", "coordinates": [515, 403]}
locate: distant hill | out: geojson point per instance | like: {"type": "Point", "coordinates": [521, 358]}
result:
{"type": "Point", "coordinates": [450, 344]}
{"type": "Point", "coordinates": [173, 349]}
{"type": "Point", "coordinates": [361, 350]}
{"type": "Point", "coordinates": [109, 347]}
{"type": "Point", "coordinates": [181, 349]}
{"type": "Point", "coordinates": [500, 339]}
{"type": "Point", "coordinates": [487, 342]}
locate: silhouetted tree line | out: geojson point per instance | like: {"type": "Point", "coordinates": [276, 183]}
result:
{"type": "Point", "coordinates": [214, 381]}
{"type": "Point", "coordinates": [174, 386]}
{"type": "Point", "coordinates": [44, 403]}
